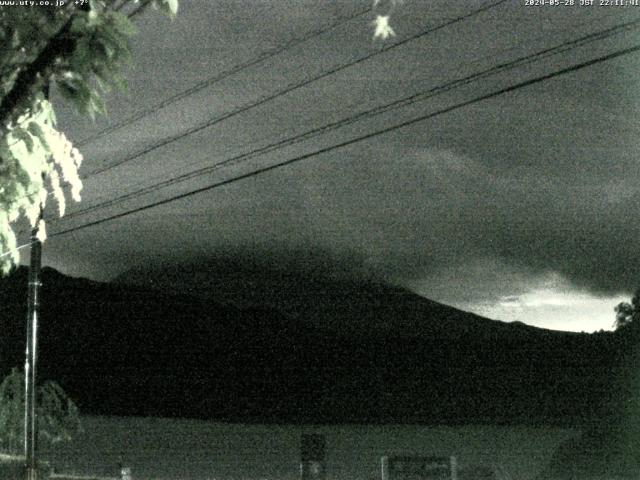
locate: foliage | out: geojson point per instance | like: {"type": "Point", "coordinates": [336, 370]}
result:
{"type": "Point", "coordinates": [383, 10]}
{"type": "Point", "coordinates": [80, 47]}
{"type": "Point", "coordinates": [57, 414]}
{"type": "Point", "coordinates": [81, 50]}
{"type": "Point", "coordinates": [628, 313]}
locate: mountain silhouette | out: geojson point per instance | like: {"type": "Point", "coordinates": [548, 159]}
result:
{"type": "Point", "coordinates": [296, 348]}
{"type": "Point", "coordinates": [331, 299]}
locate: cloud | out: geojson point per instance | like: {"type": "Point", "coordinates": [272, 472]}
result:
{"type": "Point", "coordinates": [481, 204]}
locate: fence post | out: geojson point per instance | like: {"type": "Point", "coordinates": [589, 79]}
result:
{"type": "Point", "coordinates": [312, 461]}
{"type": "Point", "coordinates": [125, 473]}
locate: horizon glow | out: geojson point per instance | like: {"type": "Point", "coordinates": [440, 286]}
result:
{"type": "Point", "coordinates": [554, 309]}
{"type": "Point", "coordinates": [546, 301]}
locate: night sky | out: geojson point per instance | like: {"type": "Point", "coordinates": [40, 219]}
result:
{"type": "Point", "coordinates": [519, 206]}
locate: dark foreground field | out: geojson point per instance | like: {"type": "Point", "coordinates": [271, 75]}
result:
{"type": "Point", "coordinates": [173, 449]}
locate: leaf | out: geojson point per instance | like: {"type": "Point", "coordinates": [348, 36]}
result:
{"type": "Point", "coordinates": [106, 77]}
{"type": "Point", "coordinates": [24, 135]}
{"type": "Point", "coordinates": [82, 59]}
{"type": "Point", "coordinates": [173, 6]}
{"type": "Point", "coordinates": [80, 24]}
{"type": "Point", "coordinates": [78, 91]}
{"type": "Point", "coordinates": [67, 90]}
{"type": "Point", "coordinates": [35, 130]}
{"type": "Point", "coordinates": [114, 41]}
{"type": "Point", "coordinates": [49, 113]}
{"type": "Point", "coordinates": [383, 29]}
{"type": "Point", "coordinates": [122, 23]}
{"type": "Point", "coordinates": [94, 15]}
{"type": "Point", "coordinates": [96, 104]}
{"type": "Point", "coordinates": [102, 52]}
{"type": "Point", "coordinates": [170, 7]}
{"type": "Point", "coordinates": [120, 82]}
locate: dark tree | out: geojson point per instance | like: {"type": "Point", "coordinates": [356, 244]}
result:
{"type": "Point", "coordinates": [58, 416]}
{"type": "Point", "coordinates": [628, 313]}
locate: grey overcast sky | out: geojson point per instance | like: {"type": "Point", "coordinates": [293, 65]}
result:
{"type": "Point", "coordinates": [522, 206]}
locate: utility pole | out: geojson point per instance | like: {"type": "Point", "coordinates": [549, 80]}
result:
{"type": "Point", "coordinates": [31, 355]}
{"type": "Point", "coordinates": [33, 299]}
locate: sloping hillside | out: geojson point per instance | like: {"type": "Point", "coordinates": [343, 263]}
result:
{"type": "Point", "coordinates": [129, 350]}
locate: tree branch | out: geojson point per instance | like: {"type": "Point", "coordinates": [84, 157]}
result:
{"type": "Point", "coordinates": [31, 79]}
{"type": "Point", "coordinates": [143, 5]}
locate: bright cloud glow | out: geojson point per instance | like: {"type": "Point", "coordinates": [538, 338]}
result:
{"type": "Point", "coordinates": [544, 300]}
{"type": "Point", "coordinates": [555, 305]}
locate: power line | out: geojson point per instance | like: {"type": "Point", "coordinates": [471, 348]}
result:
{"type": "Point", "coordinates": [215, 79]}
{"type": "Point", "coordinates": [19, 247]}
{"type": "Point", "coordinates": [212, 80]}
{"type": "Point", "coordinates": [375, 111]}
{"type": "Point", "coordinates": [403, 102]}
{"type": "Point", "coordinates": [221, 76]}
{"type": "Point", "coordinates": [321, 151]}
{"type": "Point", "coordinates": [288, 89]}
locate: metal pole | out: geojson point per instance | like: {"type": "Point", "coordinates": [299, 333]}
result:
{"type": "Point", "coordinates": [30, 416]}
{"type": "Point", "coordinates": [31, 355]}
